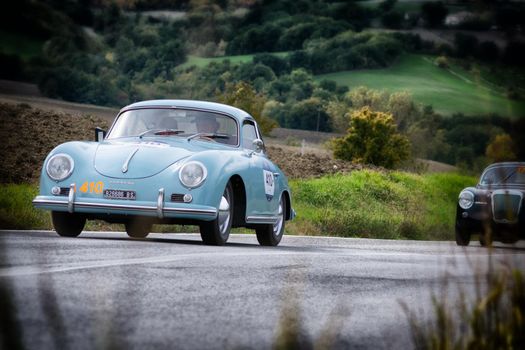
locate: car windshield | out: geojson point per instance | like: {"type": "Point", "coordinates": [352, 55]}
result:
{"type": "Point", "coordinates": [168, 122]}
{"type": "Point", "coordinates": [504, 175]}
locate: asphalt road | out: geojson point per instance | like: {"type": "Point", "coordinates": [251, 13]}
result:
{"type": "Point", "coordinates": [104, 290]}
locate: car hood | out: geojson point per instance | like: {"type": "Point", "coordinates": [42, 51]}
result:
{"type": "Point", "coordinates": [132, 160]}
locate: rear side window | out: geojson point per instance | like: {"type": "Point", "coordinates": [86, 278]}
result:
{"type": "Point", "coordinates": [248, 135]}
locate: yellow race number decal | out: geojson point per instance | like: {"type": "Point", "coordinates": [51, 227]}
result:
{"type": "Point", "coordinates": [92, 187]}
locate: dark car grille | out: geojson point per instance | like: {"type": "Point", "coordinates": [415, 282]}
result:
{"type": "Point", "coordinates": [506, 207]}
{"type": "Point", "coordinates": [64, 191]}
{"type": "Point", "coordinates": [177, 197]}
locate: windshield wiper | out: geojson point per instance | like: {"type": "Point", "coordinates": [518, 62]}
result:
{"type": "Point", "coordinates": [504, 180]}
{"type": "Point", "coordinates": [161, 132]}
{"type": "Point", "coordinates": [208, 135]}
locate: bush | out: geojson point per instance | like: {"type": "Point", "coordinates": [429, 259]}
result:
{"type": "Point", "coordinates": [501, 149]}
{"type": "Point", "coordinates": [442, 62]}
{"type": "Point", "coordinates": [372, 139]}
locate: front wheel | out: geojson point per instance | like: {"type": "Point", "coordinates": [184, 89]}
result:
{"type": "Point", "coordinates": [68, 224]}
{"type": "Point", "coordinates": [216, 232]}
{"type": "Point", "coordinates": [270, 235]}
{"type": "Point", "coordinates": [462, 237]}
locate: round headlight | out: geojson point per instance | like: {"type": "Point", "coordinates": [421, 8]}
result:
{"type": "Point", "coordinates": [466, 199]}
{"type": "Point", "coordinates": [60, 166]}
{"type": "Point", "coordinates": [192, 174]}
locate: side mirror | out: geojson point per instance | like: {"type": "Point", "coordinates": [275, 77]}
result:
{"type": "Point", "coordinates": [100, 134]}
{"type": "Point", "coordinates": [258, 145]}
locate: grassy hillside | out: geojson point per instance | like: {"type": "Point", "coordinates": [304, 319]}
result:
{"type": "Point", "coordinates": [448, 91]}
{"type": "Point", "coordinates": [204, 61]}
{"type": "Point", "coordinates": [394, 205]}
{"type": "Point", "coordinates": [364, 203]}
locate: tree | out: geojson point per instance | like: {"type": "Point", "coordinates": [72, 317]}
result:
{"type": "Point", "coordinates": [242, 95]}
{"type": "Point", "coordinates": [277, 64]}
{"type": "Point", "coordinates": [387, 5]}
{"type": "Point", "coordinates": [392, 19]}
{"type": "Point", "coordinates": [501, 149]}
{"type": "Point", "coordinates": [466, 45]}
{"type": "Point", "coordinates": [488, 51]}
{"type": "Point", "coordinates": [308, 114]}
{"type": "Point", "coordinates": [372, 139]}
{"type": "Point", "coordinates": [434, 13]}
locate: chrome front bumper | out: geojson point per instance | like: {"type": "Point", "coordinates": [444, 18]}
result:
{"type": "Point", "coordinates": [159, 209]}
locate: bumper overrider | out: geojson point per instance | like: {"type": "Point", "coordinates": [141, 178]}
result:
{"type": "Point", "coordinates": [159, 209]}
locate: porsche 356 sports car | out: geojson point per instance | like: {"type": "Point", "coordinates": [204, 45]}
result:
{"type": "Point", "coordinates": [169, 162]}
{"type": "Point", "coordinates": [494, 208]}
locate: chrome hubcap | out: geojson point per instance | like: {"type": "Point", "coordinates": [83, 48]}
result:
{"type": "Point", "coordinates": [279, 223]}
{"type": "Point", "coordinates": [224, 213]}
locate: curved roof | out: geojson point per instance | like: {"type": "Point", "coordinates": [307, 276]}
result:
{"type": "Point", "coordinates": [501, 164]}
{"type": "Point", "coordinates": [213, 106]}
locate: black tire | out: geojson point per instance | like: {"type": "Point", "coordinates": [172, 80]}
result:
{"type": "Point", "coordinates": [138, 227]}
{"type": "Point", "coordinates": [68, 224]}
{"type": "Point", "coordinates": [271, 234]}
{"type": "Point", "coordinates": [462, 237]}
{"type": "Point", "coordinates": [217, 231]}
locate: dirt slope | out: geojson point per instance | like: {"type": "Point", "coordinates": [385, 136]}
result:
{"type": "Point", "coordinates": [29, 134]}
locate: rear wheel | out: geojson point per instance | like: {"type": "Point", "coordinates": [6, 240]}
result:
{"type": "Point", "coordinates": [270, 235]}
{"type": "Point", "coordinates": [216, 232]}
{"type": "Point", "coordinates": [462, 237]}
{"type": "Point", "coordinates": [68, 224]}
{"type": "Point", "coordinates": [138, 227]}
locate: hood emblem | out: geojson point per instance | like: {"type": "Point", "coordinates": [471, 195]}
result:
{"type": "Point", "coordinates": [126, 163]}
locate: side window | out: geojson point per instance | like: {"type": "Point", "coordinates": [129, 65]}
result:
{"type": "Point", "coordinates": [248, 135]}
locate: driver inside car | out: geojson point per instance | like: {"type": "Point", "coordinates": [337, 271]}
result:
{"type": "Point", "coordinates": [208, 125]}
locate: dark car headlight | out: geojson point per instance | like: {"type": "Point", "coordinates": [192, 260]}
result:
{"type": "Point", "coordinates": [60, 166]}
{"type": "Point", "coordinates": [192, 174]}
{"type": "Point", "coordinates": [466, 199]}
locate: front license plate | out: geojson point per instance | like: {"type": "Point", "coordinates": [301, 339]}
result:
{"type": "Point", "coordinates": [120, 194]}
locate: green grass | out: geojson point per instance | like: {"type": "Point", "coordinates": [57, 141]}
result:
{"type": "Point", "coordinates": [204, 61]}
{"type": "Point", "coordinates": [448, 91]}
{"type": "Point", "coordinates": [393, 205]}
{"type": "Point", "coordinates": [16, 209]}
{"type": "Point", "coordinates": [20, 45]}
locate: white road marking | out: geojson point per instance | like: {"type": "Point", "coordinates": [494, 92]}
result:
{"type": "Point", "coordinates": [52, 268]}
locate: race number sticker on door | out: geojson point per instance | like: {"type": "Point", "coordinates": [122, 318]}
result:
{"type": "Point", "coordinates": [269, 184]}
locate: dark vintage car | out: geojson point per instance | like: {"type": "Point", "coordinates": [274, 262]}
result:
{"type": "Point", "coordinates": [494, 208]}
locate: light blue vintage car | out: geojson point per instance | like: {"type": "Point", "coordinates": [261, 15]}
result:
{"type": "Point", "coordinates": [169, 162]}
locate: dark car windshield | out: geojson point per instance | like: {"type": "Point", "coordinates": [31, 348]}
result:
{"type": "Point", "coordinates": [504, 175]}
{"type": "Point", "coordinates": [159, 122]}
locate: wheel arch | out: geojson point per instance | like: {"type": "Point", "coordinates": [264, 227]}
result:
{"type": "Point", "coordinates": [288, 203]}
{"type": "Point", "coordinates": [239, 201]}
